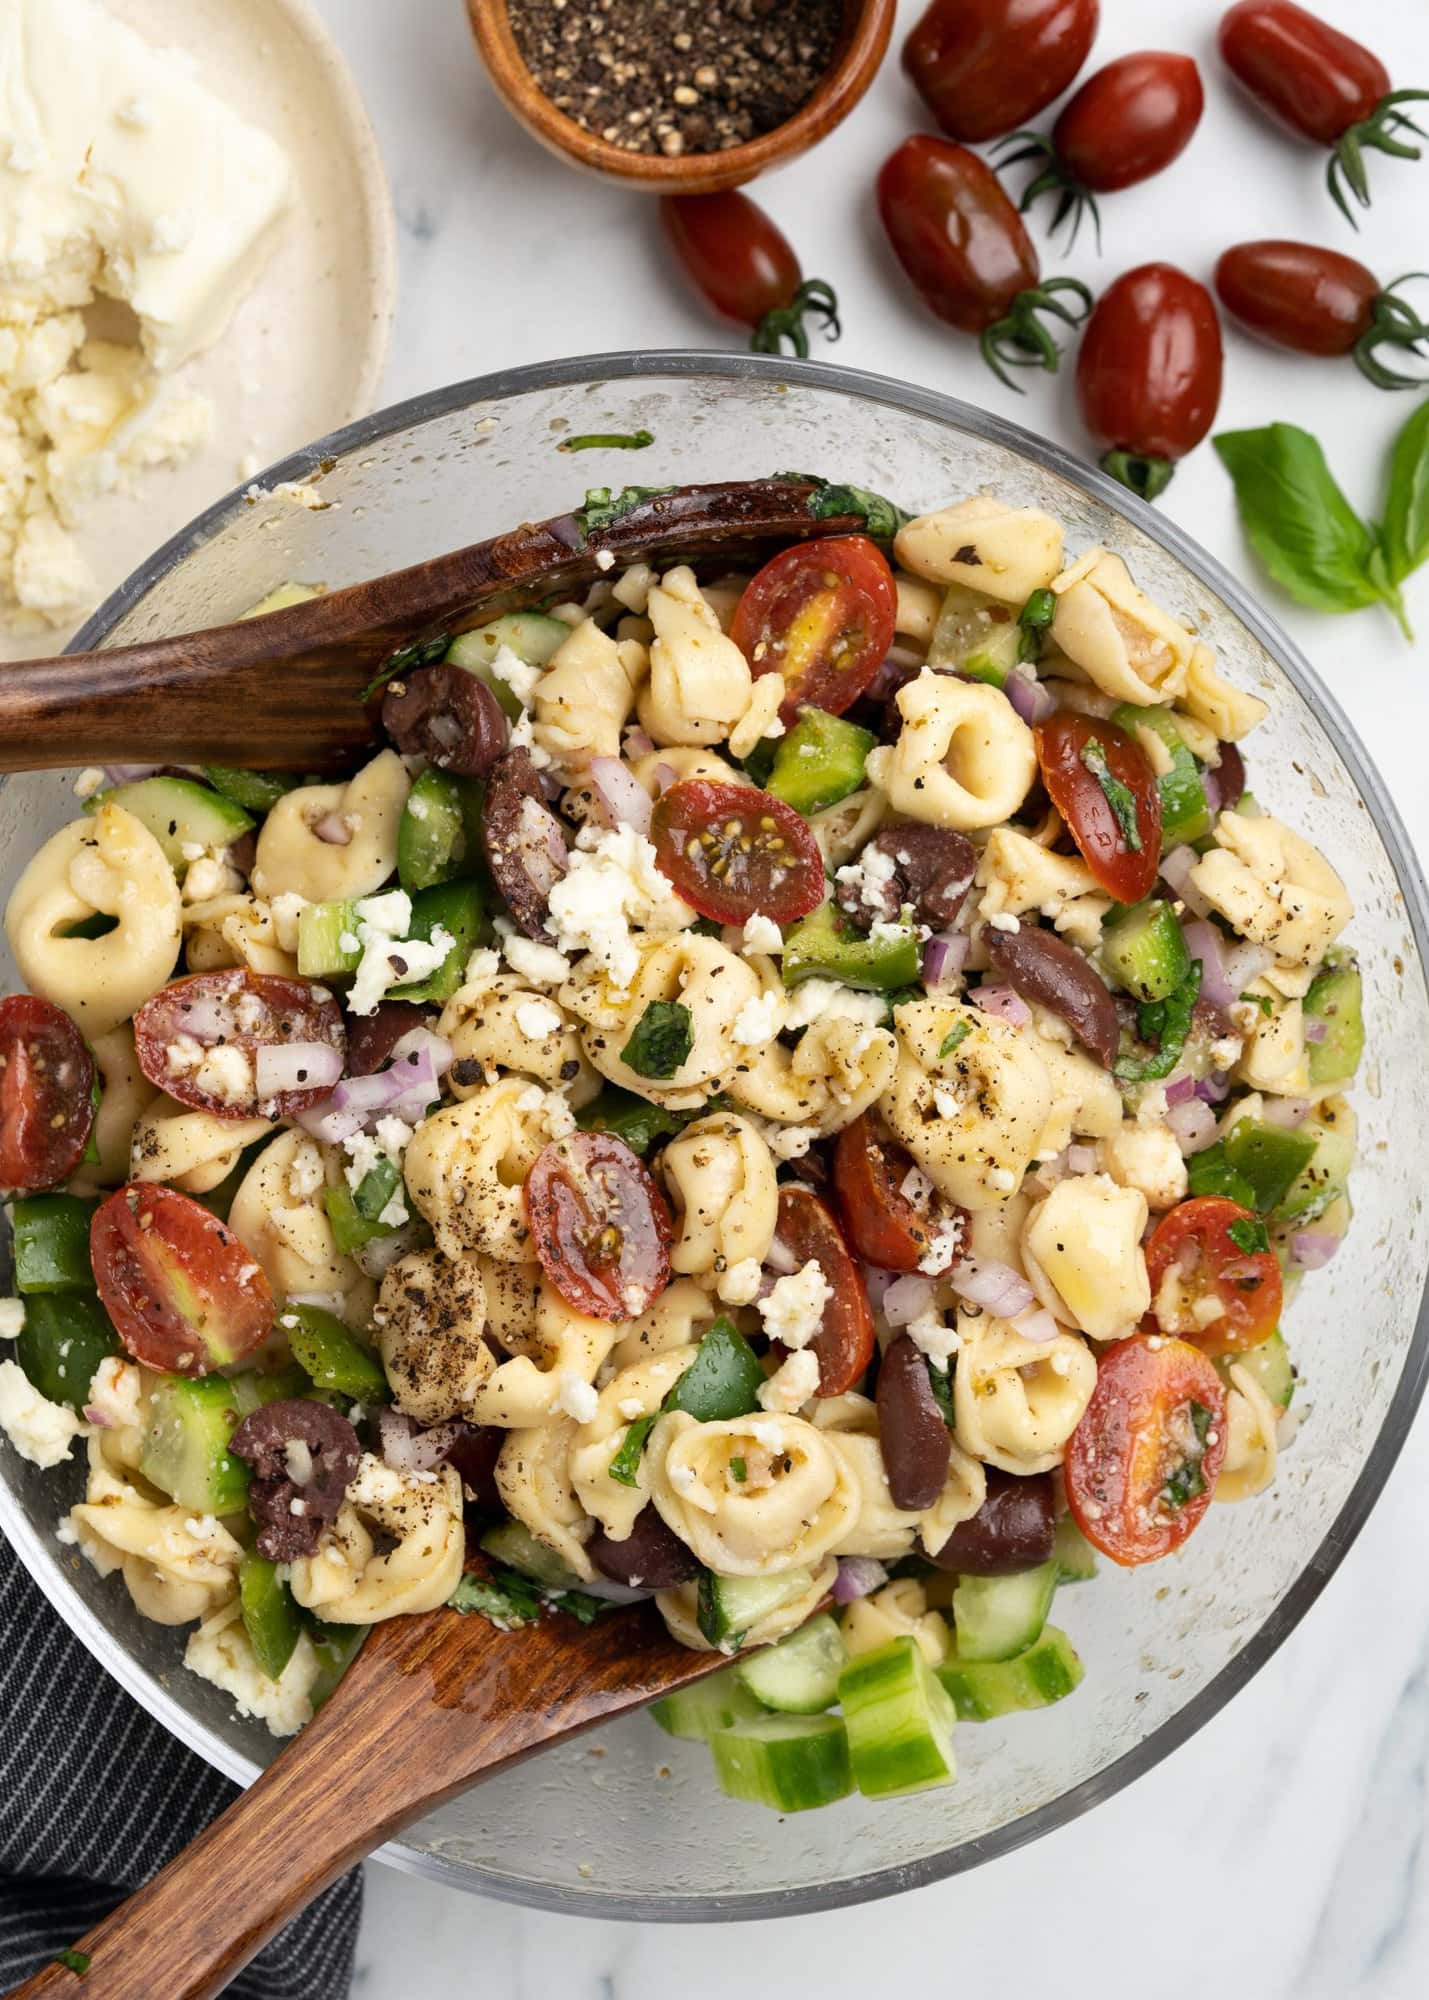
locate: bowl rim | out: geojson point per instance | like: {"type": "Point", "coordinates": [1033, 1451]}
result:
{"type": "Point", "coordinates": [582, 372]}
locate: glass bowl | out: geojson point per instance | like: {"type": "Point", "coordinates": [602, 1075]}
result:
{"type": "Point", "coordinates": [599, 1827]}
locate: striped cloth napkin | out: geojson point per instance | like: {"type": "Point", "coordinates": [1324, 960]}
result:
{"type": "Point", "coordinates": [95, 1797]}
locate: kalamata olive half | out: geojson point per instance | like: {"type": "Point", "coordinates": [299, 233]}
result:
{"type": "Point", "coordinates": [525, 848]}
{"type": "Point", "coordinates": [474, 1450]}
{"type": "Point", "coordinates": [448, 715]}
{"type": "Point", "coordinates": [933, 869]}
{"type": "Point", "coordinates": [652, 1556]}
{"type": "Point", "coordinates": [303, 1455]}
{"type": "Point", "coordinates": [912, 1435]}
{"type": "Point", "coordinates": [1012, 1530]}
{"type": "Point", "coordinates": [1229, 777]}
{"type": "Point", "coordinates": [371, 1038]}
{"type": "Point", "coordinates": [1047, 970]}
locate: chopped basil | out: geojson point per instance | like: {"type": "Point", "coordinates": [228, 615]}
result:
{"type": "Point", "coordinates": [1034, 619]}
{"type": "Point", "coordinates": [1167, 1023]}
{"type": "Point", "coordinates": [604, 507]}
{"type": "Point", "coordinates": [738, 1471]}
{"type": "Point", "coordinates": [580, 1604]}
{"type": "Point", "coordinates": [638, 1123]}
{"type": "Point", "coordinates": [1252, 1237]}
{"type": "Point", "coordinates": [624, 1468]}
{"type": "Point", "coordinates": [406, 660]}
{"type": "Point", "coordinates": [73, 1961]}
{"type": "Point", "coordinates": [663, 1038]}
{"type": "Point", "coordinates": [1188, 1481]}
{"type": "Point", "coordinates": [941, 1382]}
{"type": "Point", "coordinates": [376, 1189]}
{"type": "Point", "coordinates": [1117, 795]}
{"type": "Point", "coordinates": [1261, 1000]}
{"type": "Point", "coordinates": [507, 1598]}
{"type": "Point", "coordinates": [956, 1035]}
{"type": "Point", "coordinates": [608, 441]}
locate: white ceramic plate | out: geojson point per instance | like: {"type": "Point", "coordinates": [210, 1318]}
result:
{"type": "Point", "coordinates": [305, 350]}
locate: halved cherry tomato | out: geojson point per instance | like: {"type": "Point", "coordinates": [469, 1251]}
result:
{"type": "Point", "coordinates": [46, 1094]}
{"type": "Point", "coordinates": [1142, 1464]}
{"type": "Point", "coordinates": [1102, 784]}
{"type": "Point", "coordinates": [844, 1343]}
{"type": "Point", "coordinates": [1196, 1238]}
{"type": "Point", "coordinates": [1126, 123]}
{"type": "Point", "coordinates": [1149, 374]}
{"type": "Point", "coordinates": [599, 1225]}
{"type": "Point", "coordinates": [733, 852]}
{"type": "Point", "coordinates": [1320, 84]}
{"type": "Point", "coordinates": [745, 265]}
{"type": "Point", "coordinates": [956, 233]}
{"type": "Point", "coordinates": [885, 1226]}
{"type": "Point", "coordinates": [183, 1037]}
{"type": "Point", "coordinates": [1316, 301]}
{"type": "Point", "coordinates": [184, 1294]}
{"type": "Point", "coordinates": [986, 66]}
{"type": "Point", "coordinates": [822, 616]}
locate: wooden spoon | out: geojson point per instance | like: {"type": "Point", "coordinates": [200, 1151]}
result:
{"type": "Point", "coordinates": [430, 1705]}
{"type": "Point", "coordinates": [286, 692]}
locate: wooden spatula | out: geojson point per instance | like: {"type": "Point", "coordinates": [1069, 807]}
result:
{"type": "Point", "coordinates": [285, 692]}
{"type": "Point", "coordinates": [430, 1705]}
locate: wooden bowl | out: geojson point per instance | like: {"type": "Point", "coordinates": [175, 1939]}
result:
{"type": "Point", "coordinates": [867, 26]}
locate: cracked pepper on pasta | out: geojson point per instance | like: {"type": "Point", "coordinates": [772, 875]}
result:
{"type": "Point", "coordinates": [802, 1097]}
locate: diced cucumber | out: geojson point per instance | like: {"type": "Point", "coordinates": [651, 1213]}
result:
{"type": "Point", "coordinates": [826, 946]}
{"type": "Point", "coordinates": [256, 791]}
{"type": "Point", "coordinates": [350, 1227]}
{"type": "Point", "coordinates": [1212, 1173]}
{"type": "Point", "coordinates": [998, 1617]}
{"type": "Point", "coordinates": [459, 908]}
{"type": "Point", "coordinates": [697, 1711]}
{"type": "Point", "coordinates": [1186, 814]}
{"type": "Point", "coordinates": [530, 635]}
{"type": "Point", "coordinates": [330, 1356]}
{"type": "Point", "coordinates": [1326, 1172]}
{"type": "Point", "coordinates": [65, 1337]}
{"type": "Point", "coordinates": [185, 1452]}
{"type": "Point", "coordinates": [1335, 1002]}
{"type": "Point", "coordinates": [981, 1689]}
{"type": "Point", "coordinates": [50, 1243]}
{"type": "Point", "coordinates": [730, 1606]}
{"type": "Point", "coordinates": [515, 1546]}
{"type": "Point", "coordinates": [336, 1646]}
{"type": "Point", "coordinates": [724, 1379]}
{"type": "Point", "coordinates": [439, 830]}
{"type": "Point", "coordinates": [270, 1614]}
{"type": "Point", "coordinates": [976, 634]}
{"type": "Point", "coordinates": [1143, 951]}
{"type": "Point", "coordinates": [1270, 1159]}
{"type": "Point", "coordinates": [253, 1390]}
{"type": "Point", "coordinates": [1271, 1366]}
{"type": "Point", "coordinates": [179, 814]}
{"type": "Point", "coordinates": [820, 761]}
{"type": "Point", "coordinates": [1073, 1554]}
{"type": "Point", "coordinates": [799, 1676]}
{"type": "Point", "coordinates": [323, 931]}
{"type": "Point", "coordinates": [899, 1720]}
{"type": "Point", "coordinates": [790, 1762]}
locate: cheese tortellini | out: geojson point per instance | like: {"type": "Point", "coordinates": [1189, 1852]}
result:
{"type": "Point", "coordinates": [972, 1118]}
{"type": "Point", "coordinates": [1005, 552]}
{"type": "Point", "coordinates": [837, 1070]}
{"type": "Point", "coordinates": [679, 1609]}
{"type": "Point", "coordinates": [502, 1024]}
{"type": "Point", "coordinates": [1018, 876]}
{"type": "Point", "coordinates": [1252, 1432]}
{"type": "Point", "coordinates": [721, 1177]}
{"type": "Point", "coordinates": [564, 1352]}
{"type": "Point", "coordinates": [898, 1611]}
{"type": "Point", "coordinates": [467, 1164]}
{"type": "Point", "coordinates": [1274, 886]}
{"type": "Point", "coordinates": [177, 1565]}
{"type": "Point", "coordinates": [1017, 1401]}
{"type": "Point", "coordinates": [700, 682]}
{"type": "Point", "coordinates": [534, 1479]}
{"type": "Point", "coordinates": [796, 1501]}
{"type": "Point", "coordinates": [191, 1150]}
{"type": "Point", "coordinates": [636, 1392]}
{"type": "Point", "coordinates": [280, 1216]}
{"type": "Point", "coordinates": [430, 1317]}
{"type": "Point", "coordinates": [964, 757]}
{"type": "Point", "coordinates": [586, 695]}
{"type": "Point", "coordinates": [1228, 712]}
{"type": "Point", "coordinates": [110, 866]}
{"type": "Point", "coordinates": [700, 973]}
{"type": "Point", "coordinates": [1082, 1248]}
{"type": "Point", "coordinates": [348, 1580]}
{"type": "Point", "coordinates": [301, 847]}
{"type": "Point", "coordinates": [1106, 625]}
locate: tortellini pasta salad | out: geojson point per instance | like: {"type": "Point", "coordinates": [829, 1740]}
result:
{"type": "Point", "coordinates": [797, 1098]}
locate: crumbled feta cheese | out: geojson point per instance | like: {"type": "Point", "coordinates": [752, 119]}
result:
{"type": "Point", "coordinates": [792, 1384]}
{"type": "Point", "coordinates": [389, 957]}
{"type": "Point", "coordinates": [613, 882]}
{"type": "Point", "coordinates": [944, 1247]}
{"type": "Point", "coordinates": [761, 934]}
{"type": "Point", "coordinates": [221, 1652]}
{"type": "Point", "coordinates": [541, 963]}
{"type": "Point", "coordinates": [575, 1397]}
{"type": "Point", "coordinates": [682, 1477]}
{"type": "Point", "coordinates": [388, 1140]}
{"type": "Point", "coordinates": [758, 1020]}
{"type": "Point", "coordinates": [116, 1393]}
{"type": "Point", "coordinates": [523, 737]}
{"type": "Point", "coordinates": [604, 559]}
{"type": "Point", "coordinates": [305, 1171]}
{"type": "Point", "coordinates": [794, 1309]}
{"type": "Point", "coordinates": [932, 1337]}
{"type": "Point", "coordinates": [1001, 1179]}
{"type": "Point", "coordinates": [40, 1430]}
{"type": "Point", "coordinates": [226, 1073]}
{"type": "Point", "coordinates": [631, 1408]}
{"type": "Point", "coordinates": [870, 877]}
{"type": "Point", "coordinates": [829, 1000]}
{"type": "Point", "coordinates": [285, 910]}
{"type": "Point", "coordinates": [538, 1018]}
{"type": "Point", "coordinates": [1002, 920]}
{"type": "Point", "coordinates": [790, 1142]}
{"type": "Point", "coordinates": [739, 1285]}
{"type": "Point", "coordinates": [482, 967]}
{"type": "Point", "coordinates": [517, 674]}
{"type": "Point", "coordinates": [12, 1318]}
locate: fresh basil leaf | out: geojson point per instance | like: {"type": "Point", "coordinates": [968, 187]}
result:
{"type": "Point", "coordinates": [1297, 520]}
{"type": "Point", "coordinates": [624, 1468]}
{"type": "Point", "coordinates": [1166, 1022]}
{"type": "Point", "coordinates": [940, 1380]}
{"type": "Point", "coordinates": [1118, 796]}
{"type": "Point", "coordinates": [738, 1471]}
{"type": "Point", "coordinates": [1261, 1000]}
{"type": "Point", "coordinates": [1034, 619]}
{"type": "Point", "coordinates": [959, 1032]}
{"type": "Point", "coordinates": [662, 1039]}
{"type": "Point", "coordinates": [580, 1604]}
{"type": "Point", "coordinates": [1251, 1237]}
{"type": "Point", "coordinates": [1405, 533]}
{"type": "Point", "coordinates": [1188, 1481]}
{"type": "Point", "coordinates": [508, 1599]}
{"type": "Point", "coordinates": [77, 1962]}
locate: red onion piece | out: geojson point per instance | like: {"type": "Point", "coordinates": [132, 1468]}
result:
{"type": "Point", "coordinates": [1004, 1004]}
{"type": "Point", "coordinates": [665, 776]}
{"type": "Point", "coordinates": [619, 796]}
{"type": "Point", "coordinates": [876, 1282]}
{"type": "Point", "coordinates": [406, 1447]}
{"type": "Point", "coordinates": [1215, 1088]}
{"type": "Point", "coordinates": [209, 1019]}
{"type": "Point", "coordinates": [907, 1299]}
{"type": "Point", "coordinates": [1176, 873]}
{"type": "Point", "coordinates": [129, 774]}
{"type": "Point", "coordinates": [1312, 1249]}
{"type": "Point", "coordinates": [1181, 1091]}
{"type": "Point", "coordinates": [1204, 941]}
{"type": "Point", "coordinates": [781, 1260]}
{"type": "Point", "coordinates": [944, 959]}
{"type": "Point", "coordinates": [997, 1288]}
{"type": "Point", "coordinates": [1316, 1031]}
{"type": "Point", "coordinates": [1211, 786]}
{"type": "Point", "coordinates": [1286, 1112]}
{"type": "Point", "coordinates": [1193, 1126]}
{"type": "Point", "coordinates": [403, 1090]}
{"type": "Point", "coordinates": [1036, 1324]}
{"type": "Point", "coordinates": [92, 1415]}
{"type": "Point", "coordinates": [1245, 963]}
{"type": "Point", "coordinates": [635, 743]}
{"type": "Point", "coordinates": [1028, 696]}
{"type": "Point", "coordinates": [1081, 1159]}
{"type": "Point", "coordinates": [609, 1592]}
{"type": "Point", "coordinates": [859, 1576]}
{"type": "Point", "coordinates": [333, 829]}
{"type": "Point", "coordinates": [295, 1066]}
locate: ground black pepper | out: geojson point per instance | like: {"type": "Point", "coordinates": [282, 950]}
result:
{"type": "Point", "coordinates": [677, 76]}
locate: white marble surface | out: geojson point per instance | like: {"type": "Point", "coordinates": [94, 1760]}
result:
{"type": "Point", "coordinates": [1285, 1851]}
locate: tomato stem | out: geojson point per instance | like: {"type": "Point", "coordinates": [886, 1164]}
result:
{"type": "Point", "coordinates": [1347, 173]}
{"type": "Point", "coordinates": [1075, 197]}
{"type": "Point", "coordinates": [1019, 339]}
{"type": "Point", "coordinates": [1395, 324]}
{"type": "Point", "coordinates": [1146, 477]}
{"type": "Point", "coordinates": [786, 323]}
